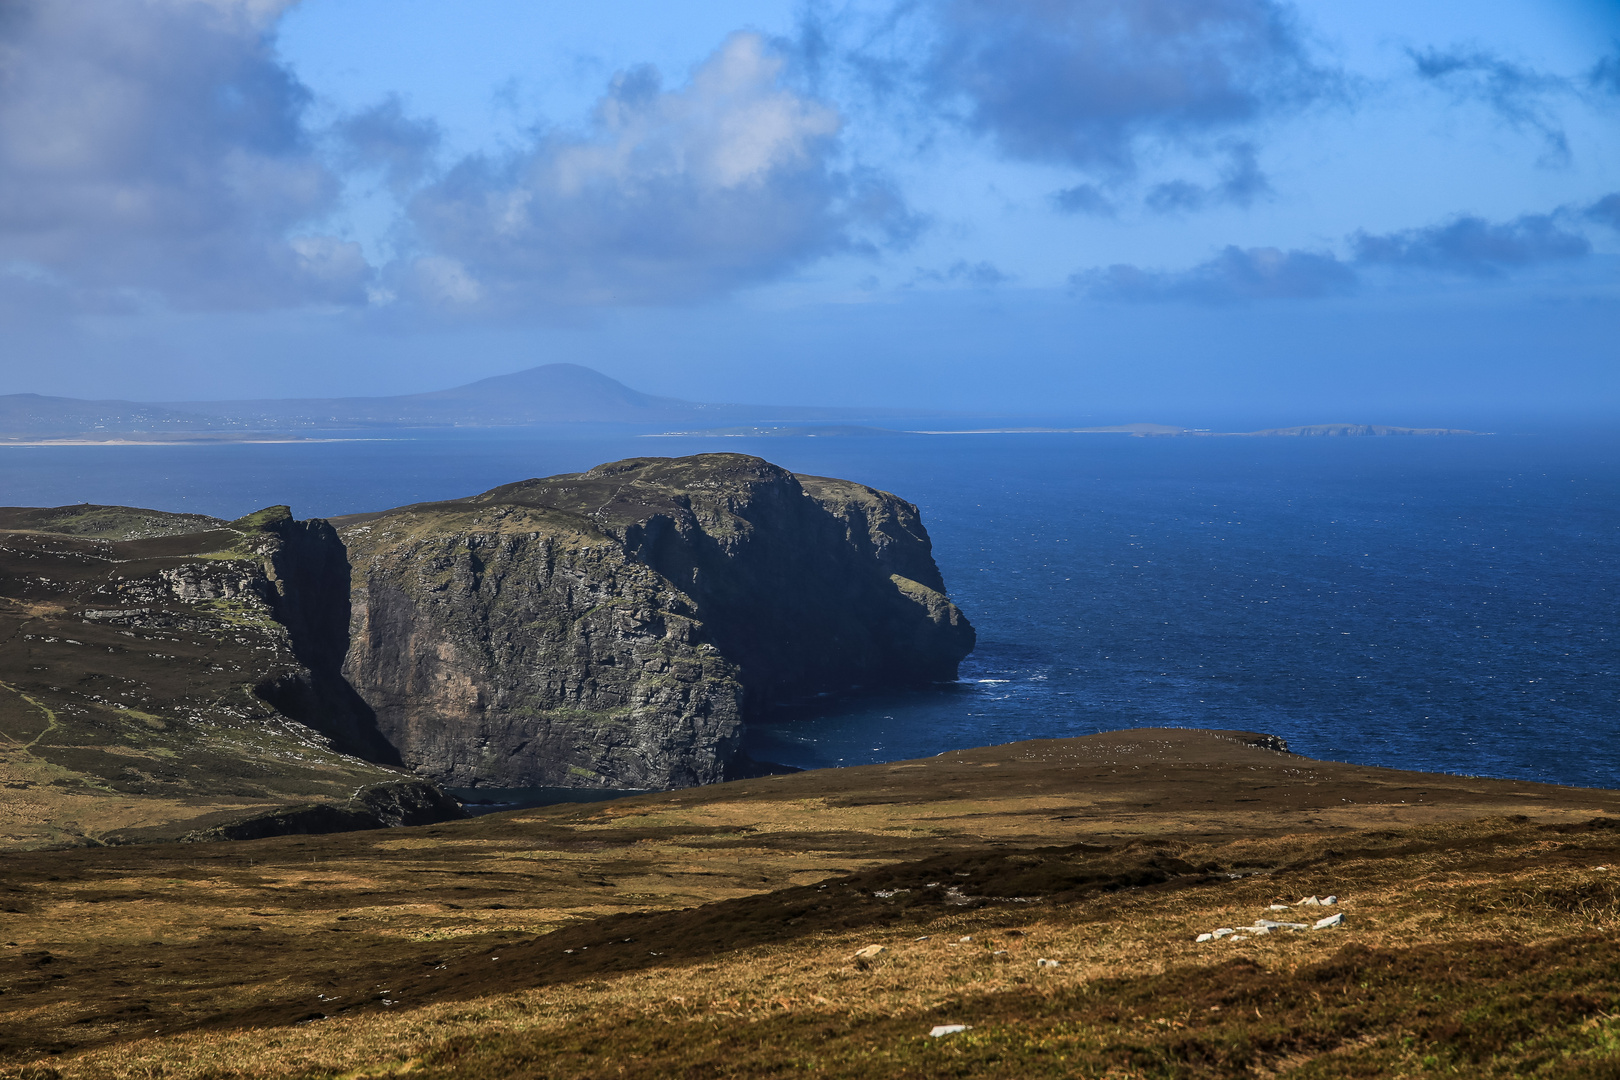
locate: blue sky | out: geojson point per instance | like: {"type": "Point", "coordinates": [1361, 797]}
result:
{"type": "Point", "coordinates": [1160, 208]}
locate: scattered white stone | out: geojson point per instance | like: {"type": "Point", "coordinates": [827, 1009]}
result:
{"type": "Point", "coordinates": [1329, 901]}
{"type": "Point", "coordinates": [1000, 954]}
{"type": "Point", "coordinates": [1269, 925]}
{"type": "Point", "coordinates": [948, 1029]}
{"type": "Point", "coordinates": [1240, 937]}
{"type": "Point", "coordinates": [1278, 907]}
{"type": "Point", "coordinates": [923, 938]}
{"type": "Point", "coordinates": [868, 953]}
{"type": "Point", "coordinates": [1331, 920]}
{"type": "Point", "coordinates": [1205, 937]}
{"type": "Point", "coordinates": [1045, 963]}
{"type": "Point", "coordinates": [1225, 931]}
{"type": "Point", "coordinates": [964, 939]}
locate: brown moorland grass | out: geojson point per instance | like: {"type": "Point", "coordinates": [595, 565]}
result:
{"type": "Point", "coordinates": [712, 932]}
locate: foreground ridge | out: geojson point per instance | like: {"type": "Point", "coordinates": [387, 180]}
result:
{"type": "Point", "coordinates": [1045, 897]}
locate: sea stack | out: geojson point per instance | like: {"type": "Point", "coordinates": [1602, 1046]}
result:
{"type": "Point", "coordinates": [615, 628]}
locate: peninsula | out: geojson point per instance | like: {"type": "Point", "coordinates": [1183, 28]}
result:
{"type": "Point", "coordinates": [166, 674]}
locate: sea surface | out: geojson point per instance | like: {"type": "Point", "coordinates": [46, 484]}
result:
{"type": "Point", "coordinates": [1445, 604]}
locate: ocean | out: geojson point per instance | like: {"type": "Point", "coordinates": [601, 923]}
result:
{"type": "Point", "coordinates": [1445, 604]}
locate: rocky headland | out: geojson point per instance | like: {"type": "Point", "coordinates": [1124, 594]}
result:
{"type": "Point", "coordinates": [168, 675]}
{"type": "Point", "coordinates": [615, 628]}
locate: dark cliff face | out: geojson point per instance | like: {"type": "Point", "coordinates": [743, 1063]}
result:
{"type": "Point", "coordinates": [612, 628]}
{"type": "Point", "coordinates": [508, 646]}
{"type": "Point", "coordinates": [805, 583]}
{"type": "Point", "coordinates": [306, 586]}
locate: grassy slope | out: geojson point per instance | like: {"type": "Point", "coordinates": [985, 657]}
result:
{"type": "Point", "coordinates": [131, 715]}
{"type": "Point", "coordinates": [711, 932]}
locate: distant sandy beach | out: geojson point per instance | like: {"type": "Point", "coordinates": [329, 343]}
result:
{"type": "Point", "coordinates": [178, 442]}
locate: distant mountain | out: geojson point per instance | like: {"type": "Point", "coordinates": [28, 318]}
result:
{"type": "Point", "coordinates": [550, 394]}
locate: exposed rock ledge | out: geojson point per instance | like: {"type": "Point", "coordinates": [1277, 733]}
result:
{"type": "Point", "coordinates": [614, 628]}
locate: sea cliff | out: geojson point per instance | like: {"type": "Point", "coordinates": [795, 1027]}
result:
{"type": "Point", "coordinates": [615, 628]}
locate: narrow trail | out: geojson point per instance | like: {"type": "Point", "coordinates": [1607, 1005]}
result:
{"type": "Point", "coordinates": [50, 718]}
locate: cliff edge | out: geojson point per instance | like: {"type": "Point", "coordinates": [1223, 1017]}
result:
{"type": "Point", "coordinates": [168, 673]}
{"type": "Point", "coordinates": [614, 628]}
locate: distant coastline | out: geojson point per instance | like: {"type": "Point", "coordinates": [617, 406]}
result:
{"type": "Point", "coordinates": [1134, 430]}
{"type": "Point", "coordinates": [180, 440]}
{"type": "Point", "coordinates": [551, 394]}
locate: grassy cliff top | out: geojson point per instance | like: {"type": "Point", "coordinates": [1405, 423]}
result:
{"type": "Point", "coordinates": [625, 492]}
{"type": "Point", "coordinates": [103, 522]}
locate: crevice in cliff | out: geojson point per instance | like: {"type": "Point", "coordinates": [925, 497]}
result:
{"type": "Point", "coordinates": [309, 595]}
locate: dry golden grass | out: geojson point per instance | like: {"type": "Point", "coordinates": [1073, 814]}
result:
{"type": "Point", "coordinates": [441, 951]}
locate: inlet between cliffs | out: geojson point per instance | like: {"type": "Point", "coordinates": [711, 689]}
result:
{"type": "Point", "coordinates": [616, 628]}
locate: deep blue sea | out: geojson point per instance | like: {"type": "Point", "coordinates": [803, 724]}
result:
{"type": "Point", "coordinates": [1443, 604]}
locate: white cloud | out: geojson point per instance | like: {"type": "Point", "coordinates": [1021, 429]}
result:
{"type": "Point", "coordinates": [669, 195]}
{"type": "Point", "coordinates": [157, 147]}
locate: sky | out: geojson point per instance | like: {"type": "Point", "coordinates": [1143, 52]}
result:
{"type": "Point", "coordinates": [1112, 209]}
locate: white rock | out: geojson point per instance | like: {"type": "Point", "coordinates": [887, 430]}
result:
{"type": "Point", "coordinates": [1268, 924]}
{"type": "Point", "coordinates": [1331, 920]}
{"type": "Point", "coordinates": [1278, 907]}
{"type": "Point", "coordinates": [965, 939]}
{"type": "Point", "coordinates": [1205, 937]}
{"type": "Point", "coordinates": [1329, 901]}
{"type": "Point", "coordinates": [1045, 963]}
{"type": "Point", "coordinates": [1225, 931]}
{"type": "Point", "coordinates": [869, 952]}
{"type": "Point", "coordinates": [948, 1029]}
{"type": "Point", "coordinates": [1309, 901]}
{"type": "Point", "coordinates": [1240, 937]}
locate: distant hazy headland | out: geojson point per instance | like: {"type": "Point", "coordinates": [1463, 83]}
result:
{"type": "Point", "coordinates": [549, 394]}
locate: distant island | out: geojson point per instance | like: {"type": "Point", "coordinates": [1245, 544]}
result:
{"type": "Point", "coordinates": [1334, 430]}
{"type": "Point", "coordinates": [1138, 430]}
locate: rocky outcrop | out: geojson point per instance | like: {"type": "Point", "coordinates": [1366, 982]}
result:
{"type": "Point", "coordinates": [162, 673]}
{"type": "Point", "coordinates": [614, 628]}
{"type": "Point", "coordinates": [381, 806]}
{"type": "Point", "coordinates": [290, 579]}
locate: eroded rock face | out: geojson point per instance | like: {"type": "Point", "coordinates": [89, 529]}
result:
{"type": "Point", "coordinates": [507, 646]}
{"type": "Point", "coordinates": [613, 628]}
